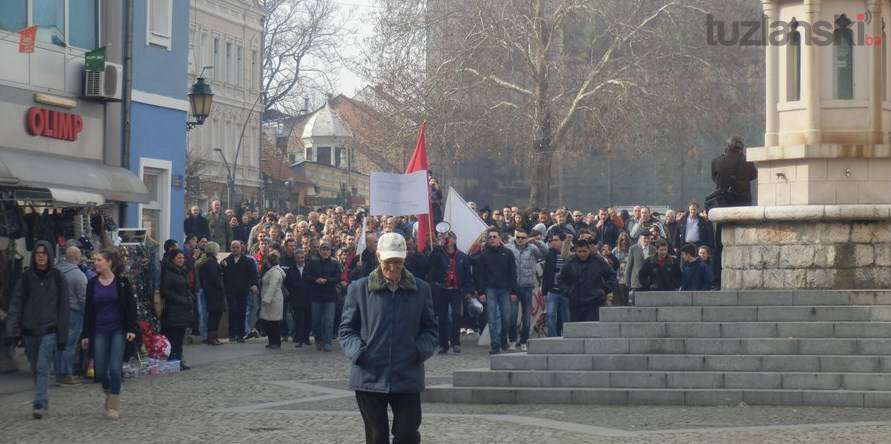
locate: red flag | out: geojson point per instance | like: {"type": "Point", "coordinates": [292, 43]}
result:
{"type": "Point", "coordinates": [419, 162]}
{"type": "Point", "coordinates": [27, 37]}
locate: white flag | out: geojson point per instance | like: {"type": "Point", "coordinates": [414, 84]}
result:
{"type": "Point", "coordinates": [466, 224]}
{"type": "Point", "coordinates": [360, 244]}
{"type": "Point", "coordinates": [399, 194]}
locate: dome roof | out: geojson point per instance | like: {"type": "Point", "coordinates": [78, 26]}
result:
{"type": "Point", "coordinates": [326, 122]}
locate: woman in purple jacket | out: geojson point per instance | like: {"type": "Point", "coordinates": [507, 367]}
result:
{"type": "Point", "coordinates": [109, 323]}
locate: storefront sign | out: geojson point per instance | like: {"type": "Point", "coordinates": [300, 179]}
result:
{"type": "Point", "coordinates": [54, 124]}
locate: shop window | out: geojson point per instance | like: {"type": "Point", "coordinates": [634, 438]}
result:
{"type": "Point", "coordinates": [49, 16]}
{"type": "Point", "coordinates": [793, 64]}
{"type": "Point", "coordinates": [13, 15]}
{"type": "Point", "coordinates": [76, 25]}
{"type": "Point", "coordinates": [160, 22]}
{"type": "Point", "coordinates": [843, 59]}
{"type": "Point", "coordinates": [82, 19]}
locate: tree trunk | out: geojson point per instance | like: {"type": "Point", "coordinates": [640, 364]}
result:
{"type": "Point", "coordinates": [540, 192]}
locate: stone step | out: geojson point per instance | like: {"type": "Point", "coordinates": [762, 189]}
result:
{"type": "Point", "coordinates": [694, 362]}
{"type": "Point", "coordinates": [815, 329]}
{"type": "Point", "coordinates": [643, 396]}
{"type": "Point", "coordinates": [715, 346]}
{"type": "Point", "coordinates": [673, 379]}
{"type": "Point", "coordinates": [761, 298]}
{"type": "Point", "coordinates": [785, 313]}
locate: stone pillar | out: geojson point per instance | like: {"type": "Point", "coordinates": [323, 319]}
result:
{"type": "Point", "coordinates": [874, 135]}
{"type": "Point", "coordinates": [811, 75]}
{"type": "Point", "coordinates": [771, 137]}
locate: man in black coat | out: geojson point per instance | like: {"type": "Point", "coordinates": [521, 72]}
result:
{"type": "Point", "coordinates": [586, 280]}
{"type": "Point", "coordinates": [661, 272]}
{"type": "Point", "coordinates": [693, 229]}
{"type": "Point", "coordinates": [196, 224]}
{"type": "Point", "coordinates": [605, 232]}
{"type": "Point", "coordinates": [299, 292]}
{"type": "Point", "coordinates": [733, 175]}
{"type": "Point", "coordinates": [240, 282]}
{"type": "Point", "coordinates": [323, 275]}
{"type": "Point", "coordinates": [496, 276]}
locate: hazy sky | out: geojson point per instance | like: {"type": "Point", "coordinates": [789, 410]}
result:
{"type": "Point", "coordinates": [359, 12]}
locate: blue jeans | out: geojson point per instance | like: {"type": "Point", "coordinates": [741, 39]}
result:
{"type": "Point", "coordinates": [287, 323]}
{"type": "Point", "coordinates": [557, 303]}
{"type": "Point", "coordinates": [108, 352]}
{"type": "Point", "coordinates": [249, 319]}
{"type": "Point", "coordinates": [201, 307]}
{"type": "Point", "coordinates": [322, 322]}
{"type": "Point", "coordinates": [39, 350]}
{"type": "Point", "coordinates": [65, 359]}
{"type": "Point", "coordinates": [498, 306]}
{"type": "Point", "coordinates": [524, 299]}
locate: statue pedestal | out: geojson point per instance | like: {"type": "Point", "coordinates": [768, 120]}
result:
{"type": "Point", "coordinates": [805, 247]}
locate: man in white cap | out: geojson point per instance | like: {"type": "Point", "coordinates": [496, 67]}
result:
{"type": "Point", "coordinates": [388, 330]}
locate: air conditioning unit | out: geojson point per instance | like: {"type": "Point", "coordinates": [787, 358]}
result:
{"type": "Point", "coordinates": [104, 86]}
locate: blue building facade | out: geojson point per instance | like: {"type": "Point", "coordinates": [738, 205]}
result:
{"type": "Point", "coordinates": [159, 112]}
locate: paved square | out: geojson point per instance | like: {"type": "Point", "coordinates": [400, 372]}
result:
{"type": "Point", "coordinates": [245, 393]}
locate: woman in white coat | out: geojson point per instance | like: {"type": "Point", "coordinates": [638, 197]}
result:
{"type": "Point", "coordinates": [272, 299]}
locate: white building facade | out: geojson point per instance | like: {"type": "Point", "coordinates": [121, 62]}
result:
{"type": "Point", "coordinates": [225, 41]}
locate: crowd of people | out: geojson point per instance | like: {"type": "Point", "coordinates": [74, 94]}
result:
{"type": "Point", "coordinates": [286, 275]}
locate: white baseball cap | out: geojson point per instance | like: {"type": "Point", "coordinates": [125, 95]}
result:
{"type": "Point", "coordinates": [391, 245]}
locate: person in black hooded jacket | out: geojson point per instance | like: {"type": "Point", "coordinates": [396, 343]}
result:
{"type": "Point", "coordinates": [177, 316]}
{"type": "Point", "coordinates": [585, 280]}
{"type": "Point", "coordinates": [38, 313]}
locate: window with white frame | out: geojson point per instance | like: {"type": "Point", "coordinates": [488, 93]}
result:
{"type": "Point", "coordinates": [239, 66]}
{"type": "Point", "coordinates": [255, 83]}
{"type": "Point", "coordinates": [227, 77]}
{"type": "Point", "coordinates": [216, 59]}
{"type": "Point", "coordinates": [193, 62]}
{"type": "Point", "coordinates": [159, 29]}
{"type": "Point", "coordinates": [155, 215]}
{"type": "Point", "coordinates": [61, 22]}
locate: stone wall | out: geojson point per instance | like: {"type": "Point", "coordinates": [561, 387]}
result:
{"type": "Point", "coordinates": [806, 254]}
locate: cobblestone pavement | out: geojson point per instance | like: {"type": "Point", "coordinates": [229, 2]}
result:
{"type": "Point", "coordinates": [245, 393]}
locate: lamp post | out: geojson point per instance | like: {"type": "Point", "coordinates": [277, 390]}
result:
{"type": "Point", "coordinates": [200, 100]}
{"type": "Point", "coordinates": [230, 178]}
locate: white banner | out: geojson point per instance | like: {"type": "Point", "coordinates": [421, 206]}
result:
{"type": "Point", "coordinates": [466, 224]}
{"type": "Point", "coordinates": [361, 245]}
{"type": "Point", "coordinates": [399, 194]}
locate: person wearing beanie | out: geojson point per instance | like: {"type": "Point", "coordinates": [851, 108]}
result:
{"type": "Point", "coordinates": [388, 331]}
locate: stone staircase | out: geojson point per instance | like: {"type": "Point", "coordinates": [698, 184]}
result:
{"type": "Point", "coordinates": [825, 348]}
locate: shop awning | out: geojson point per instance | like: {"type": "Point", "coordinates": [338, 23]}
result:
{"type": "Point", "coordinates": [71, 180]}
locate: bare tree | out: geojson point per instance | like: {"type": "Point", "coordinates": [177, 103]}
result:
{"type": "Point", "coordinates": [301, 44]}
{"type": "Point", "coordinates": [196, 168]}
{"type": "Point", "coordinates": [562, 75]}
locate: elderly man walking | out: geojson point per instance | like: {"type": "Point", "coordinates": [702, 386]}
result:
{"type": "Point", "coordinates": [76, 286]}
{"type": "Point", "coordinates": [388, 331]}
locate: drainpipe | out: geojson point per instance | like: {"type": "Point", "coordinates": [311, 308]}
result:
{"type": "Point", "coordinates": [127, 105]}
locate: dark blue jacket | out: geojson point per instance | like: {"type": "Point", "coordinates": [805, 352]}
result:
{"type": "Point", "coordinates": [697, 276]}
{"type": "Point", "coordinates": [388, 335]}
{"type": "Point", "coordinates": [439, 268]}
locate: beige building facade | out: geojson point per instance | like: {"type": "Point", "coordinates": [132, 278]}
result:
{"type": "Point", "coordinates": [225, 42]}
{"type": "Point", "coordinates": [828, 107]}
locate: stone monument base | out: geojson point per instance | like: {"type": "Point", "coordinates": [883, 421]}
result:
{"type": "Point", "coordinates": [805, 247]}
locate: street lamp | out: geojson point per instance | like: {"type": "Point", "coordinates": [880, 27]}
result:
{"type": "Point", "coordinates": [200, 100]}
{"type": "Point", "coordinates": [230, 178]}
